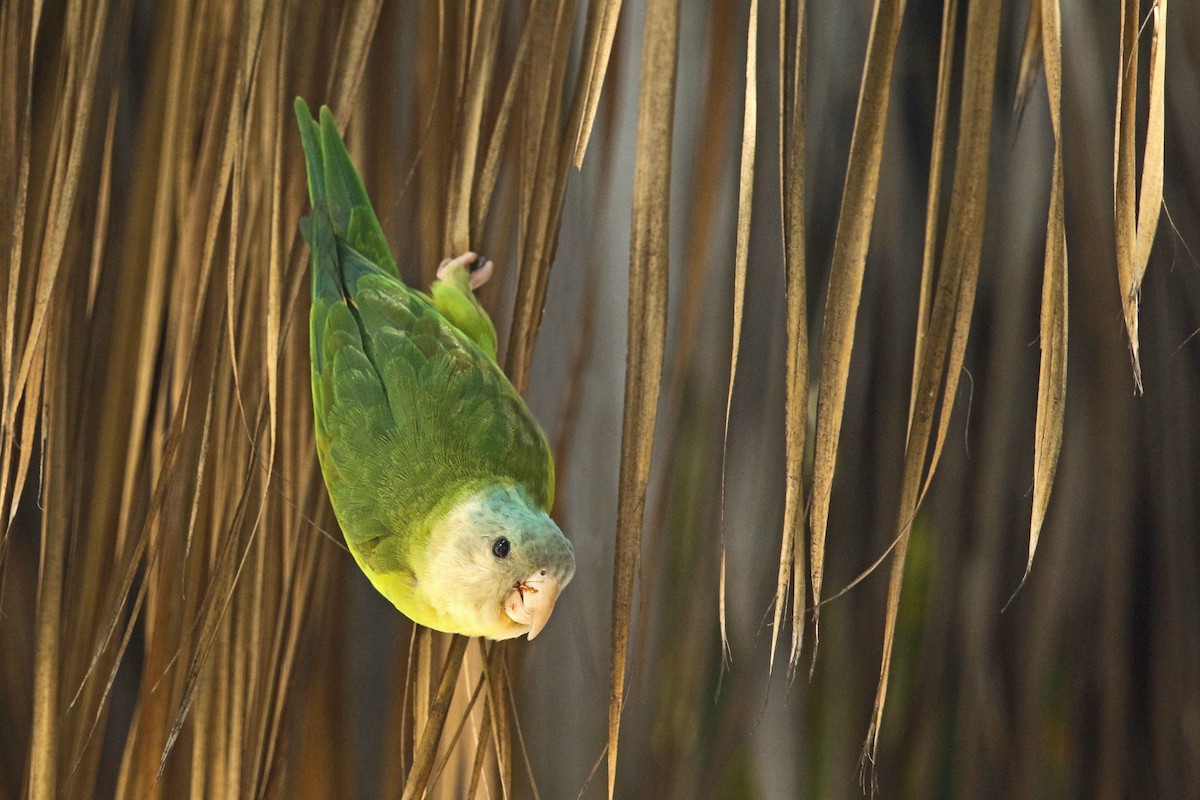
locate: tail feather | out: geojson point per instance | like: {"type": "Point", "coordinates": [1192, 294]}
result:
{"type": "Point", "coordinates": [337, 191]}
{"type": "Point", "coordinates": [314, 156]}
{"type": "Point", "coordinates": [343, 232]}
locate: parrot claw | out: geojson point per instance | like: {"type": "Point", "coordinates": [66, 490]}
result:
{"type": "Point", "coordinates": [479, 268]}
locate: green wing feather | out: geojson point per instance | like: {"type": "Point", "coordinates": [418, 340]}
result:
{"type": "Point", "coordinates": [411, 413]}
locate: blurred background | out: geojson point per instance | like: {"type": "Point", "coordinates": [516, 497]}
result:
{"type": "Point", "coordinates": [178, 617]}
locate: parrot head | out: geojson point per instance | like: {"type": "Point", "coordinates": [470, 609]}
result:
{"type": "Point", "coordinates": [496, 565]}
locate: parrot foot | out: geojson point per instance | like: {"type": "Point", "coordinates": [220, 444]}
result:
{"type": "Point", "coordinates": [479, 268]}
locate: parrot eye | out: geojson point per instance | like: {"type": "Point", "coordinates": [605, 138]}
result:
{"type": "Point", "coordinates": [500, 548]}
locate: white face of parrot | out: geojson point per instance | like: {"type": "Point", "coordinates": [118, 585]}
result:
{"type": "Point", "coordinates": [500, 565]}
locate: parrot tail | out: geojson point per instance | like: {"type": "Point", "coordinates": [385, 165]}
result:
{"type": "Point", "coordinates": [343, 232]}
{"type": "Point", "coordinates": [339, 202]}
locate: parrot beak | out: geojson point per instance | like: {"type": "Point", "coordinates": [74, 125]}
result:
{"type": "Point", "coordinates": [532, 601]}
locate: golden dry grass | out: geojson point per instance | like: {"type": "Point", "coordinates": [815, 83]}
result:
{"type": "Point", "coordinates": [853, 183]}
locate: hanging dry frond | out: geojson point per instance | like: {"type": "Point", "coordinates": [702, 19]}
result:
{"type": "Point", "coordinates": [742, 249]}
{"type": "Point", "coordinates": [1052, 376]}
{"type": "Point", "coordinates": [548, 156]}
{"type": "Point", "coordinates": [648, 263]}
{"type": "Point", "coordinates": [953, 304]}
{"type": "Point", "coordinates": [356, 29]}
{"type": "Point", "coordinates": [1150, 195]}
{"type": "Point", "coordinates": [791, 190]}
{"type": "Point", "coordinates": [933, 202]}
{"type": "Point", "coordinates": [849, 261]}
{"type": "Point", "coordinates": [543, 169]}
{"type": "Point", "coordinates": [427, 743]}
{"type": "Point", "coordinates": [1031, 59]}
{"type": "Point", "coordinates": [483, 35]}
{"type": "Point", "coordinates": [602, 29]}
{"type": "Point", "coordinates": [1137, 210]}
{"type": "Point", "coordinates": [704, 204]}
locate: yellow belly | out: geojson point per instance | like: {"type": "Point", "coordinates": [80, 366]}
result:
{"type": "Point", "coordinates": [398, 588]}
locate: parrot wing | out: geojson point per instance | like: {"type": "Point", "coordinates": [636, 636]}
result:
{"type": "Point", "coordinates": [411, 413]}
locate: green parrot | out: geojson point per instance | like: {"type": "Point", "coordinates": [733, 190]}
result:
{"type": "Point", "coordinates": [438, 474]}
